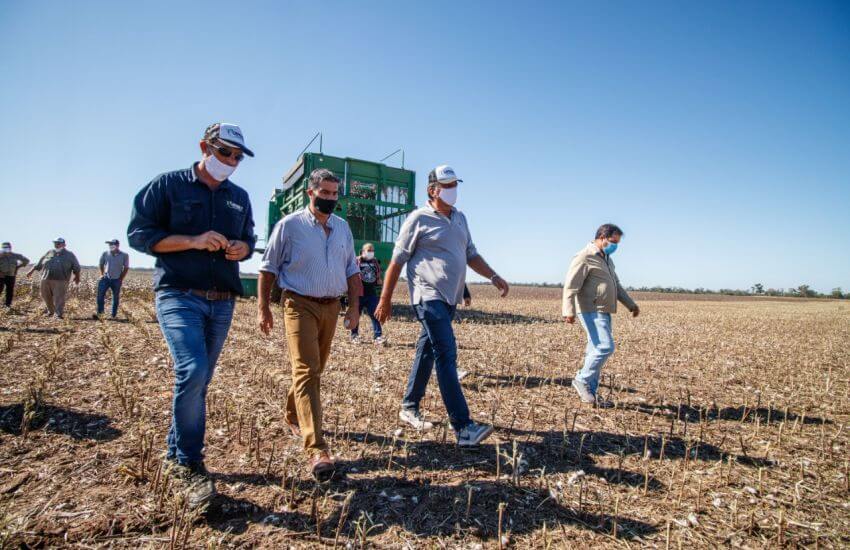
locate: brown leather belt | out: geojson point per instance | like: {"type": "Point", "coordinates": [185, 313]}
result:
{"type": "Point", "coordinates": [213, 295]}
{"type": "Point", "coordinates": [312, 298]}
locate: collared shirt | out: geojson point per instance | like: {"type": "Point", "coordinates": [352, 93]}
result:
{"type": "Point", "coordinates": [10, 263]}
{"type": "Point", "coordinates": [114, 262]}
{"type": "Point", "coordinates": [308, 261]}
{"type": "Point", "coordinates": [436, 249]}
{"type": "Point", "coordinates": [592, 284]}
{"type": "Point", "coordinates": [58, 265]}
{"type": "Point", "coordinates": [178, 203]}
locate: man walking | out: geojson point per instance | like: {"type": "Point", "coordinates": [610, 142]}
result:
{"type": "Point", "coordinates": [593, 286]}
{"type": "Point", "coordinates": [114, 265]}
{"type": "Point", "coordinates": [370, 276]}
{"type": "Point", "coordinates": [10, 263]}
{"type": "Point", "coordinates": [199, 226]}
{"type": "Point", "coordinates": [436, 245]}
{"type": "Point", "coordinates": [311, 253]}
{"type": "Point", "coordinates": [57, 267]}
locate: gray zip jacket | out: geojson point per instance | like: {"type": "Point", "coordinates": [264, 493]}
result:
{"type": "Point", "coordinates": [592, 285]}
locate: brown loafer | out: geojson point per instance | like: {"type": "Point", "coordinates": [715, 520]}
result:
{"type": "Point", "coordinates": [322, 467]}
{"type": "Point", "coordinates": [294, 428]}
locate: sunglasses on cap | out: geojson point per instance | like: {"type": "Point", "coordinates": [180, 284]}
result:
{"type": "Point", "coordinates": [226, 152]}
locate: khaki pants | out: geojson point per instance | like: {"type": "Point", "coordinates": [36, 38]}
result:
{"type": "Point", "coordinates": [310, 328]}
{"type": "Point", "coordinates": [53, 293]}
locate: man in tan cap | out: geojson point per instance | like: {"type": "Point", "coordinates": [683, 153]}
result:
{"type": "Point", "coordinates": [57, 267]}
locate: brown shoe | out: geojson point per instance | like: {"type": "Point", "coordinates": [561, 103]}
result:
{"type": "Point", "coordinates": [322, 467]}
{"type": "Point", "coordinates": [294, 428]}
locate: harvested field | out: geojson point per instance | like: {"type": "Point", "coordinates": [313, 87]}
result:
{"type": "Point", "coordinates": [731, 429]}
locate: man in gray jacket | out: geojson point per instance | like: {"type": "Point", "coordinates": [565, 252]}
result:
{"type": "Point", "coordinates": [57, 267]}
{"type": "Point", "coordinates": [592, 284]}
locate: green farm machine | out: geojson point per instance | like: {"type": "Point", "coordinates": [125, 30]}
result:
{"type": "Point", "coordinates": [373, 198]}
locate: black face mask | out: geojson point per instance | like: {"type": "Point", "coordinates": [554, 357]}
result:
{"type": "Point", "coordinates": [325, 206]}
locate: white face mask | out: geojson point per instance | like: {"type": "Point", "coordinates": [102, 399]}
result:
{"type": "Point", "coordinates": [448, 195]}
{"type": "Point", "coordinates": [370, 255]}
{"type": "Point", "coordinates": [217, 169]}
{"type": "Point", "coordinates": [6, 250]}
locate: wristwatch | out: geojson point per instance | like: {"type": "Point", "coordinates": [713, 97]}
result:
{"type": "Point", "coordinates": [494, 276]}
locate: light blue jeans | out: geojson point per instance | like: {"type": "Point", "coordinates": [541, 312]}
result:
{"type": "Point", "coordinates": [600, 346]}
{"type": "Point", "coordinates": [194, 329]}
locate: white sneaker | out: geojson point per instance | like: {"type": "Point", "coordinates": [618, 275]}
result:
{"type": "Point", "coordinates": [473, 434]}
{"type": "Point", "coordinates": [415, 419]}
{"type": "Point", "coordinates": [380, 341]}
{"type": "Point", "coordinates": [355, 339]}
{"type": "Point", "coordinates": [461, 374]}
{"type": "Point", "coordinates": [583, 391]}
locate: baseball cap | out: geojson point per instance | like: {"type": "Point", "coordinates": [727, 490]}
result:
{"type": "Point", "coordinates": [59, 240]}
{"type": "Point", "coordinates": [113, 241]}
{"type": "Point", "coordinates": [230, 134]}
{"type": "Point", "coordinates": [443, 174]}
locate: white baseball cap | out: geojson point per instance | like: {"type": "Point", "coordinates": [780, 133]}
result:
{"type": "Point", "coordinates": [230, 134]}
{"type": "Point", "coordinates": [443, 174]}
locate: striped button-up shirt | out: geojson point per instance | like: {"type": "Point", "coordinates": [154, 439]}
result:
{"type": "Point", "coordinates": [307, 261]}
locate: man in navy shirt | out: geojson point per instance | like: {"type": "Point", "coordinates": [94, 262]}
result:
{"type": "Point", "coordinates": [199, 226]}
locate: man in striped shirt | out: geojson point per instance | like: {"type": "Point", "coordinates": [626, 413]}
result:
{"type": "Point", "coordinates": [311, 253]}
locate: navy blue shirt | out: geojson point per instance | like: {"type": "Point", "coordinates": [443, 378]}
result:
{"type": "Point", "coordinates": [178, 203]}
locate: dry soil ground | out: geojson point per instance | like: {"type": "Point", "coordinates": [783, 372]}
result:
{"type": "Point", "coordinates": [731, 429]}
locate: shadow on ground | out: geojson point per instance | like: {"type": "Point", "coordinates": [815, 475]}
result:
{"type": "Point", "coordinates": [693, 414]}
{"type": "Point", "coordinates": [75, 424]}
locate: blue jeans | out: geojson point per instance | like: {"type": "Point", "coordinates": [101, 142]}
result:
{"type": "Point", "coordinates": [369, 304]}
{"type": "Point", "coordinates": [194, 329]}
{"type": "Point", "coordinates": [437, 346]}
{"type": "Point", "coordinates": [104, 284]}
{"type": "Point", "coordinates": [600, 346]}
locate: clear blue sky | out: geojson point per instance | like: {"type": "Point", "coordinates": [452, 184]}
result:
{"type": "Point", "coordinates": [716, 134]}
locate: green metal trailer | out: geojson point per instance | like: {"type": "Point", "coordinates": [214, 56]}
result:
{"type": "Point", "coordinates": [373, 198]}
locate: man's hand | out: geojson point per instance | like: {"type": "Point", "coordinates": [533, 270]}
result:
{"type": "Point", "coordinates": [467, 302]}
{"type": "Point", "coordinates": [384, 311]}
{"type": "Point", "coordinates": [501, 284]}
{"type": "Point", "coordinates": [77, 279]}
{"type": "Point", "coordinates": [236, 250]}
{"type": "Point", "coordinates": [210, 241]}
{"type": "Point", "coordinates": [570, 319]}
{"type": "Point", "coordinates": [265, 319]}
{"type": "Point", "coordinates": [29, 274]}
{"type": "Point", "coordinates": [352, 318]}
{"type": "Point", "coordinates": [636, 311]}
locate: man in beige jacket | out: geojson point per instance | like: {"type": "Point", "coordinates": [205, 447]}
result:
{"type": "Point", "coordinates": [593, 286]}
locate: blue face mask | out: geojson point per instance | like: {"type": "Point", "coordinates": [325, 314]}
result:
{"type": "Point", "coordinates": [610, 248]}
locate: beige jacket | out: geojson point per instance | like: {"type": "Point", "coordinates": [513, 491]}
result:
{"type": "Point", "coordinates": [593, 284]}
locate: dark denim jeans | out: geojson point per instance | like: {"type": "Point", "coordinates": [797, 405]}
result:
{"type": "Point", "coordinates": [103, 285]}
{"type": "Point", "coordinates": [194, 329]}
{"type": "Point", "coordinates": [369, 304]}
{"type": "Point", "coordinates": [437, 347]}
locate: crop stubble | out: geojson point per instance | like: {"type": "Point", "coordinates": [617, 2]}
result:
{"type": "Point", "coordinates": [730, 429]}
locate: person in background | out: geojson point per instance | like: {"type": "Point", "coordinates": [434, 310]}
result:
{"type": "Point", "coordinates": [592, 290]}
{"type": "Point", "coordinates": [199, 225]}
{"type": "Point", "coordinates": [114, 265]}
{"type": "Point", "coordinates": [370, 274]}
{"type": "Point", "coordinates": [57, 267]}
{"type": "Point", "coordinates": [436, 245]}
{"type": "Point", "coordinates": [10, 263]}
{"type": "Point", "coordinates": [311, 255]}
{"type": "Point", "coordinates": [467, 301]}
